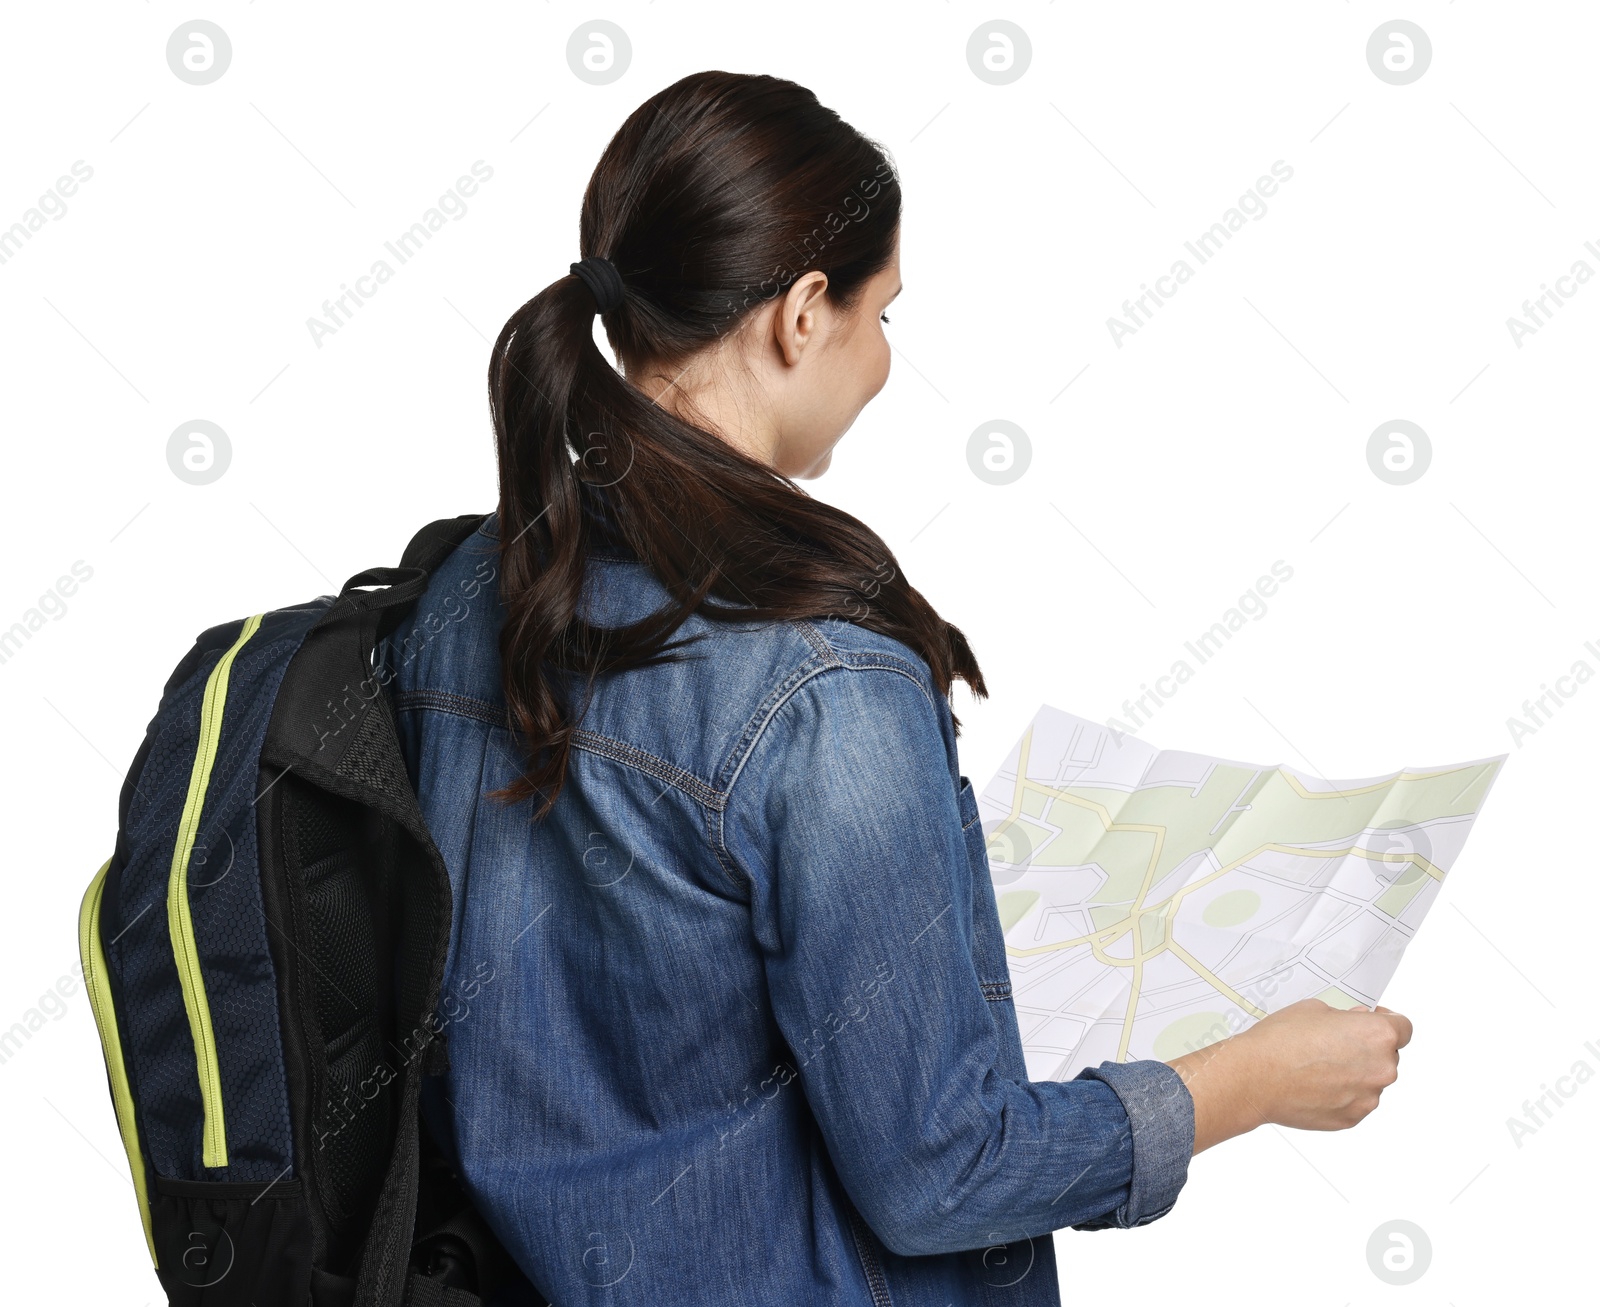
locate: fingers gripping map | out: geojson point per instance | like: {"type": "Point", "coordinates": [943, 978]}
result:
{"type": "Point", "coordinates": [1156, 901]}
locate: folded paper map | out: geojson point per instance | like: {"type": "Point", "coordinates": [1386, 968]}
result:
{"type": "Point", "coordinates": [1154, 901]}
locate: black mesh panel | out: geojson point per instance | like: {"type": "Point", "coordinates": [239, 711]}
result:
{"type": "Point", "coordinates": [339, 855]}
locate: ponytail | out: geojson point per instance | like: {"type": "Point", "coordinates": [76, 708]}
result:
{"type": "Point", "coordinates": [704, 191]}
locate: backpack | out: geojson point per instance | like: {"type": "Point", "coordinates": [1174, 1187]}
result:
{"type": "Point", "coordinates": [263, 952]}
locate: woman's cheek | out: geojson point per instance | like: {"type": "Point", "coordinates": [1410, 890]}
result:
{"type": "Point", "coordinates": [881, 372]}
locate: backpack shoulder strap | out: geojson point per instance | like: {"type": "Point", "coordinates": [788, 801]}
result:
{"type": "Point", "coordinates": [430, 546]}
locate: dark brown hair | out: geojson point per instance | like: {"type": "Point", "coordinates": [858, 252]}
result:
{"type": "Point", "coordinates": [714, 196]}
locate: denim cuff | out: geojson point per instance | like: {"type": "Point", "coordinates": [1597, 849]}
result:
{"type": "Point", "coordinates": [1161, 1121]}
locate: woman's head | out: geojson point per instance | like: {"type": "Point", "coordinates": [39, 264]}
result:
{"type": "Point", "coordinates": [756, 235]}
{"type": "Point", "coordinates": [789, 381]}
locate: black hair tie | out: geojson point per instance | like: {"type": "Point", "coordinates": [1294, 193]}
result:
{"type": "Point", "coordinates": [600, 275]}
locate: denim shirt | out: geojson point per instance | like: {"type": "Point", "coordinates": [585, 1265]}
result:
{"type": "Point", "coordinates": [733, 1023]}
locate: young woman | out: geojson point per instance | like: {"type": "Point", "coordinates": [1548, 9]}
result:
{"type": "Point", "coordinates": [740, 1026]}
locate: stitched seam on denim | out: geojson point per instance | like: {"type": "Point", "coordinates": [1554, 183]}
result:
{"type": "Point", "coordinates": [977, 813]}
{"type": "Point", "coordinates": [877, 1282]}
{"type": "Point", "coordinates": [799, 678]}
{"type": "Point", "coordinates": [470, 844]}
{"type": "Point", "coordinates": [735, 873]}
{"type": "Point", "coordinates": [874, 658]}
{"type": "Point", "coordinates": [734, 762]}
{"type": "Point", "coordinates": [996, 991]}
{"type": "Point", "coordinates": [883, 662]}
{"type": "Point", "coordinates": [459, 705]}
{"type": "Point", "coordinates": [818, 642]}
{"type": "Point", "coordinates": [786, 690]}
{"type": "Point", "coordinates": [642, 760]}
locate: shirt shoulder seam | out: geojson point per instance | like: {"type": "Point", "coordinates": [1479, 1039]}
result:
{"type": "Point", "coordinates": [756, 729]}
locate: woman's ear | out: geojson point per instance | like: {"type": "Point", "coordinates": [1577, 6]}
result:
{"type": "Point", "coordinates": [798, 320]}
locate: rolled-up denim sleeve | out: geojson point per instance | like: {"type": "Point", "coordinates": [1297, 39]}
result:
{"type": "Point", "coordinates": [1161, 1129]}
{"type": "Point", "coordinates": [845, 818]}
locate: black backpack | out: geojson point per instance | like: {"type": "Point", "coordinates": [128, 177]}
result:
{"type": "Point", "coordinates": [263, 952]}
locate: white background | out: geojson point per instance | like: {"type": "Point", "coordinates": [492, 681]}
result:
{"type": "Point", "coordinates": [1228, 433]}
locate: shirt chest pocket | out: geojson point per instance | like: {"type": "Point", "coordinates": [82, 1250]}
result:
{"type": "Point", "coordinates": [988, 943]}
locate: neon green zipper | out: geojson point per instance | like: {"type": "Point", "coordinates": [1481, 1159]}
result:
{"type": "Point", "coordinates": [214, 1138]}
{"type": "Point", "coordinates": [92, 954]}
